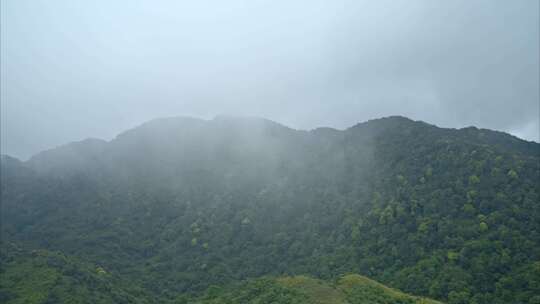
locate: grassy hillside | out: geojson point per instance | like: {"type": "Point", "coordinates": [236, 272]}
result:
{"type": "Point", "coordinates": [349, 289]}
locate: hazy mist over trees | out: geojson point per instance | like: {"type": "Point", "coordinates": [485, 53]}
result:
{"type": "Point", "coordinates": [103, 67]}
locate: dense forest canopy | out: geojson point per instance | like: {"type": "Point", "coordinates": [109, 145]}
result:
{"type": "Point", "coordinates": [185, 210]}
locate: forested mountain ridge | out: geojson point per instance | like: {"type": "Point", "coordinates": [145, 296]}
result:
{"type": "Point", "coordinates": [179, 204]}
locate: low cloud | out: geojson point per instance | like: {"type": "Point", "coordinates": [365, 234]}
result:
{"type": "Point", "coordinates": [74, 69]}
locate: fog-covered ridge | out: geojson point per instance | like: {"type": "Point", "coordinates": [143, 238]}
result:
{"type": "Point", "coordinates": [178, 204]}
{"type": "Point", "coordinates": [244, 125]}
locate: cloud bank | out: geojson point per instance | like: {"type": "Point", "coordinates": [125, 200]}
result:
{"type": "Point", "coordinates": [75, 69]}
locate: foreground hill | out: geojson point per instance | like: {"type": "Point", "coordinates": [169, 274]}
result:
{"type": "Point", "coordinates": [43, 276]}
{"type": "Point", "coordinates": [179, 204]}
{"type": "Point", "coordinates": [348, 289]}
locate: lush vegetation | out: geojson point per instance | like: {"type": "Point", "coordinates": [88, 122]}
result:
{"type": "Point", "coordinates": [42, 276]}
{"type": "Point", "coordinates": [350, 289]}
{"type": "Point", "coordinates": [178, 205]}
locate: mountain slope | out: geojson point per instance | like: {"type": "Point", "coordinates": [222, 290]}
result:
{"type": "Point", "coordinates": [42, 276]}
{"type": "Point", "coordinates": [349, 289]}
{"type": "Point", "coordinates": [179, 204]}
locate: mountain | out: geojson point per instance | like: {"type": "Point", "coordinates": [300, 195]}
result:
{"type": "Point", "coordinates": [178, 205]}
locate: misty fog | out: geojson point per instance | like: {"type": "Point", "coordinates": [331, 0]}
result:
{"type": "Point", "coordinates": [103, 67]}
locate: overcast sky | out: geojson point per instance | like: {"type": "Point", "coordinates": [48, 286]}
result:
{"type": "Point", "coordinates": [77, 69]}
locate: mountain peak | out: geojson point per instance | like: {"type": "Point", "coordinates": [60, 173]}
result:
{"type": "Point", "coordinates": [395, 120]}
{"type": "Point", "coordinates": [248, 121]}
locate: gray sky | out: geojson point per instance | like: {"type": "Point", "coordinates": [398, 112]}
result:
{"type": "Point", "coordinates": [75, 69]}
